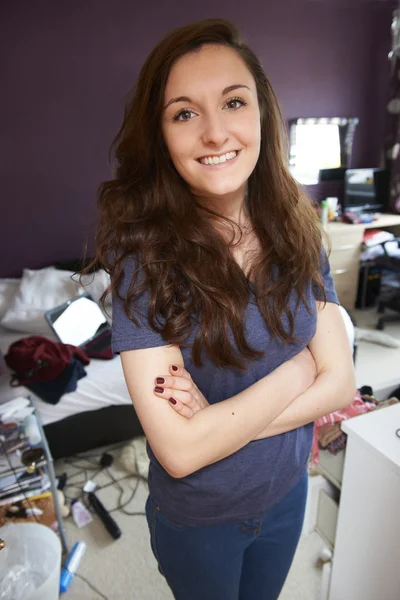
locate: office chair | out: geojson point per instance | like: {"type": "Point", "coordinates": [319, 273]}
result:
{"type": "Point", "coordinates": [389, 295]}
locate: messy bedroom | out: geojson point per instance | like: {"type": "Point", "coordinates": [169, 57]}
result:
{"type": "Point", "coordinates": [200, 300]}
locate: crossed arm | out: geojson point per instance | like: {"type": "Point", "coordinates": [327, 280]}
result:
{"type": "Point", "coordinates": [184, 445]}
{"type": "Point", "coordinates": [334, 386]}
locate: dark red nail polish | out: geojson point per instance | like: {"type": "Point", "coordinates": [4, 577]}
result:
{"type": "Point", "coordinates": [160, 380]}
{"type": "Point", "coordinates": [159, 390]}
{"type": "Point", "coordinates": [172, 400]}
{"type": "Point", "coordinates": [174, 368]}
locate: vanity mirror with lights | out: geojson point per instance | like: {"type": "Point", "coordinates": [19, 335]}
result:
{"type": "Point", "coordinates": [320, 149]}
{"type": "Point", "coordinates": [316, 144]}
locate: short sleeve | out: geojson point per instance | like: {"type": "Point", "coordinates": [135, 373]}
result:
{"type": "Point", "coordinates": [125, 334]}
{"type": "Point", "coordinates": [331, 295]}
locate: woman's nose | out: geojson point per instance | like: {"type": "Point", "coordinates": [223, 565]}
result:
{"type": "Point", "coordinates": [214, 131]}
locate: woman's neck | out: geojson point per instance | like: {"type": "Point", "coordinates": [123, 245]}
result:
{"type": "Point", "coordinates": [232, 206]}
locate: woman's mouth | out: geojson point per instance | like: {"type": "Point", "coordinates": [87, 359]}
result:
{"type": "Point", "coordinates": [223, 159]}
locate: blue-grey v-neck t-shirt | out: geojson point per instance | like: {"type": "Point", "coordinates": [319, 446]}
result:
{"type": "Point", "coordinates": [250, 481]}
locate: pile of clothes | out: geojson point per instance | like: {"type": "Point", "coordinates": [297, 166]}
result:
{"type": "Point", "coordinates": [328, 434]}
{"type": "Point", "coordinates": [48, 369]}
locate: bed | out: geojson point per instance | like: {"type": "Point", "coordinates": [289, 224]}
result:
{"type": "Point", "coordinates": [99, 411]}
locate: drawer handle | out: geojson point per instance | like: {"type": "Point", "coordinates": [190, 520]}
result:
{"type": "Point", "coordinates": [340, 271]}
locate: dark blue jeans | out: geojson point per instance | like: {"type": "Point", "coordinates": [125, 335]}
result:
{"type": "Point", "coordinates": [232, 561]}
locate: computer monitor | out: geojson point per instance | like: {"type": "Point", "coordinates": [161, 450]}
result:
{"type": "Point", "coordinates": [332, 174]}
{"type": "Point", "coordinates": [366, 190]}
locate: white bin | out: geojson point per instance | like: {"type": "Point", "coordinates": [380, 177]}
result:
{"type": "Point", "coordinates": [30, 563]}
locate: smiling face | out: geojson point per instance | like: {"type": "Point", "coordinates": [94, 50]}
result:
{"type": "Point", "coordinates": [211, 122]}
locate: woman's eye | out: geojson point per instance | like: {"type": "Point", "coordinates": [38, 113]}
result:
{"type": "Point", "coordinates": [184, 115]}
{"type": "Point", "coordinates": [235, 103]}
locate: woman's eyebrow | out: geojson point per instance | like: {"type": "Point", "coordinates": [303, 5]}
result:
{"type": "Point", "coordinates": [226, 90]}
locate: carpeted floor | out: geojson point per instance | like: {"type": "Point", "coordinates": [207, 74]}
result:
{"type": "Point", "coordinates": [126, 569]}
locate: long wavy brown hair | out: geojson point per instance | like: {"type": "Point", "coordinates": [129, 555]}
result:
{"type": "Point", "coordinates": [147, 211]}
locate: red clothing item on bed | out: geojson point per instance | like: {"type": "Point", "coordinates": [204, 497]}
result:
{"type": "Point", "coordinates": [36, 358]}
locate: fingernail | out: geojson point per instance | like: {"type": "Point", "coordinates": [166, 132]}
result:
{"type": "Point", "coordinates": [159, 390]}
{"type": "Point", "coordinates": [172, 400]}
{"type": "Point", "coordinates": [160, 380]}
{"type": "Point", "coordinates": [174, 368]}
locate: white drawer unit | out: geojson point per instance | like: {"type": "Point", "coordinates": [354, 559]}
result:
{"type": "Point", "coordinates": [344, 259]}
{"type": "Point", "coordinates": [327, 517]}
{"type": "Point", "coordinates": [331, 466]}
{"type": "Point", "coordinates": [367, 533]}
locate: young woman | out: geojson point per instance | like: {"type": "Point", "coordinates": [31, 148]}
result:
{"type": "Point", "coordinates": [224, 314]}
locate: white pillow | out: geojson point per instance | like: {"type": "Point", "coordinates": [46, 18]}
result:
{"type": "Point", "coordinates": [96, 283]}
{"type": "Point", "coordinates": [8, 289]}
{"type": "Point", "coordinates": [39, 291]}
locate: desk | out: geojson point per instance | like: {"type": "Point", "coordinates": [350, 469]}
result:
{"type": "Point", "coordinates": [345, 245]}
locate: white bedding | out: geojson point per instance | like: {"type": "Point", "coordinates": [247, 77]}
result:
{"type": "Point", "coordinates": [103, 386]}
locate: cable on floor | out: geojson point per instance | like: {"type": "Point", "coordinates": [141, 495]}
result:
{"type": "Point", "coordinates": [91, 586]}
{"type": "Point", "coordinates": [84, 470]}
{"type": "Point", "coordinates": [87, 467]}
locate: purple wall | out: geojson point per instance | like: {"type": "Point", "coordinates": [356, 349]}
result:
{"type": "Point", "coordinates": [70, 65]}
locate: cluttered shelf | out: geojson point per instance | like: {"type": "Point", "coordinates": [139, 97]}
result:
{"type": "Point", "coordinates": [28, 491]}
{"type": "Point", "coordinates": [29, 497]}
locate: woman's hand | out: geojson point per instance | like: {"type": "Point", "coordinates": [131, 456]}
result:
{"type": "Point", "coordinates": [182, 393]}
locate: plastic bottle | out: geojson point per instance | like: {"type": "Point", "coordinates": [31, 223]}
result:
{"type": "Point", "coordinates": [324, 213]}
{"type": "Point", "coordinates": [71, 565]}
{"type": "Point", "coordinates": [332, 203]}
{"type": "Point", "coordinates": [31, 430]}
{"type": "Point", "coordinates": [80, 513]}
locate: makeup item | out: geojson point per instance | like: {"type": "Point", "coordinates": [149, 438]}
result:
{"type": "Point", "coordinates": [18, 446]}
{"type": "Point", "coordinates": [71, 565]}
{"type": "Point", "coordinates": [31, 430]}
{"type": "Point", "coordinates": [31, 458]}
{"type": "Point", "coordinates": [80, 513]}
{"type": "Point", "coordinates": [33, 511]}
{"type": "Point", "coordinates": [105, 516]}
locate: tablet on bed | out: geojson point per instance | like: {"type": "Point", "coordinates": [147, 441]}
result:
{"type": "Point", "coordinates": [81, 322]}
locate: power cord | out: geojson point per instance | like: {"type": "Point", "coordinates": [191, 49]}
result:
{"type": "Point", "coordinates": [91, 586]}
{"type": "Point", "coordinates": [87, 467]}
{"type": "Point", "coordinates": [22, 491]}
{"type": "Point", "coordinates": [74, 489]}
